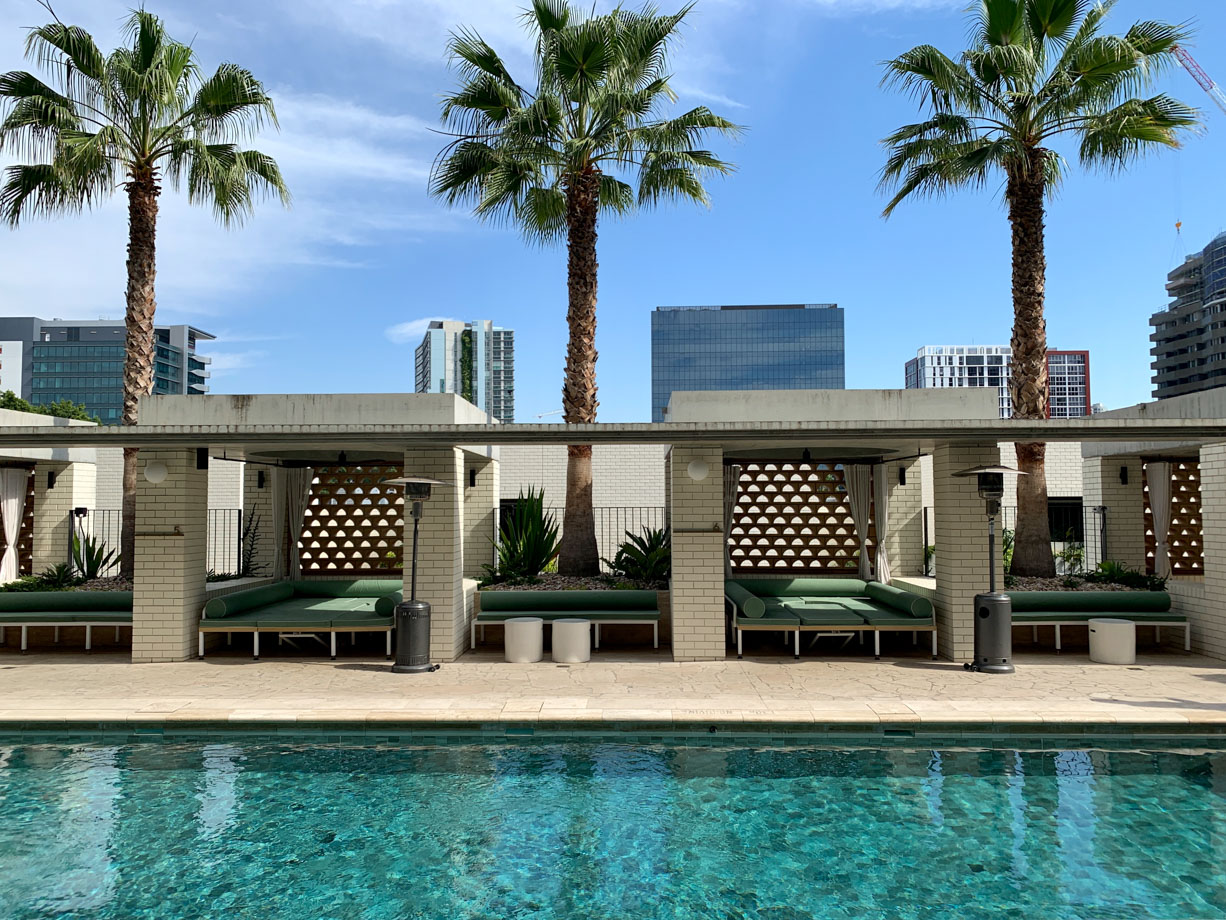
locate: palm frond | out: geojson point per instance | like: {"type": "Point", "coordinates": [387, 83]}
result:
{"type": "Point", "coordinates": [230, 106]}
{"type": "Point", "coordinates": [1113, 139]}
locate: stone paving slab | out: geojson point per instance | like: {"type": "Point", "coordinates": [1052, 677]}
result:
{"type": "Point", "coordinates": [1174, 690]}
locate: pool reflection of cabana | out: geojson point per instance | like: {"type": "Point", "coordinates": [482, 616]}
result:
{"type": "Point", "coordinates": [847, 462]}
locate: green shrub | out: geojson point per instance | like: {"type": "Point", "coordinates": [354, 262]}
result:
{"type": "Point", "coordinates": [1006, 548]}
{"type": "Point", "coordinates": [1073, 556]}
{"type": "Point", "coordinates": [91, 557]}
{"type": "Point", "coordinates": [527, 540]}
{"type": "Point", "coordinates": [646, 558]}
{"type": "Point", "coordinates": [1116, 573]}
{"type": "Point", "coordinates": [930, 554]}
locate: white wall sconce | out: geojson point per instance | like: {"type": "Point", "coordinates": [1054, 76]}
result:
{"type": "Point", "coordinates": [698, 470]}
{"type": "Point", "coordinates": [155, 472]}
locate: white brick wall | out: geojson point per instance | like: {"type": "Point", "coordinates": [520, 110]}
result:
{"type": "Point", "coordinates": [1063, 467]}
{"type": "Point", "coordinates": [697, 585]}
{"type": "Point", "coordinates": [169, 587]}
{"type": "Point", "coordinates": [440, 553]}
{"type": "Point", "coordinates": [622, 474]}
{"type": "Point", "coordinates": [53, 508]}
{"type": "Point", "coordinates": [905, 542]}
{"type": "Point", "coordinates": [1125, 531]}
{"type": "Point", "coordinates": [480, 502]}
{"type": "Point", "coordinates": [225, 481]}
{"type": "Point", "coordinates": [960, 534]}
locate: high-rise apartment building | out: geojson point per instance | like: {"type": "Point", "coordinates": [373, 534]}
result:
{"type": "Point", "coordinates": [44, 361]}
{"type": "Point", "coordinates": [768, 347]}
{"type": "Point", "coordinates": [1068, 375]}
{"type": "Point", "coordinates": [474, 360]}
{"type": "Point", "coordinates": [1189, 337]}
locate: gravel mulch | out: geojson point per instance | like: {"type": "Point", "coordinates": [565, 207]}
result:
{"type": "Point", "coordinates": [106, 584]}
{"type": "Point", "coordinates": [1057, 584]}
{"type": "Point", "coordinates": [554, 582]}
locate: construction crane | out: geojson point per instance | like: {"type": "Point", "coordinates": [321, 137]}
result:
{"type": "Point", "coordinates": [1199, 75]}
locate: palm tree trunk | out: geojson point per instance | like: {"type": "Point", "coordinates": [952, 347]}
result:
{"type": "Point", "coordinates": [579, 555]}
{"type": "Point", "coordinates": [1025, 192]}
{"type": "Point", "coordinates": [138, 356]}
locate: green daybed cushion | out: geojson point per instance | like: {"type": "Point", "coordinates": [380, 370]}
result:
{"type": "Point", "coordinates": [385, 604]}
{"type": "Point", "coordinates": [1101, 603]}
{"type": "Point", "coordinates": [782, 621]}
{"type": "Point", "coordinates": [889, 616]}
{"type": "Point", "coordinates": [749, 604]}
{"type": "Point", "coordinates": [803, 587]}
{"type": "Point", "coordinates": [118, 617]}
{"type": "Point", "coordinates": [529, 603]}
{"type": "Point", "coordinates": [608, 616]}
{"type": "Point", "coordinates": [356, 618]}
{"type": "Point", "coordinates": [65, 601]}
{"type": "Point", "coordinates": [898, 599]}
{"type": "Point", "coordinates": [347, 587]}
{"type": "Point", "coordinates": [1076, 616]}
{"type": "Point", "coordinates": [230, 604]}
{"type": "Point", "coordinates": [823, 612]}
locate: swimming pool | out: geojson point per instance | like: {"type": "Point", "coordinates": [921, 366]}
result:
{"type": "Point", "coordinates": [235, 828]}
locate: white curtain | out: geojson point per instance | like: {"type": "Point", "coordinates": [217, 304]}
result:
{"type": "Point", "coordinates": [279, 487]}
{"type": "Point", "coordinates": [298, 493]}
{"type": "Point", "coordinates": [881, 513]}
{"type": "Point", "coordinates": [12, 506]}
{"type": "Point", "coordinates": [1158, 475]}
{"type": "Point", "coordinates": [859, 477]}
{"type": "Point", "coordinates": [732, 480]}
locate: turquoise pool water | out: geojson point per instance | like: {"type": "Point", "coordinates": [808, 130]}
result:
{"type": "Point", "coordinates": [238, 829]}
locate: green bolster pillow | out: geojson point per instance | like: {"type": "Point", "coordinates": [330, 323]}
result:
{"type": "Point", "coordinates": [385, 606]}
{"type": "Point", "coordinates": [346, 587]}
{"type": "Point", "coordinates": [221, 607]}
{"type": "Point", "coordinates": [64, 601]}
{"type": "Point", "coordinates": [897, 598]}
{"type": "Point", "coordinates": [751, 606]}
{"type": "Point", "coordinates": [1103, 602]}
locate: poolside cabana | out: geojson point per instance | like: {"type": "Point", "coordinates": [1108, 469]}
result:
{"type": "Point", "coordinates": [438, 436]}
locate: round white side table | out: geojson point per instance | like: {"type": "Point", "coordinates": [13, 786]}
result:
{"type": "Point", "coordinates": [1113, 641]}
{"type": "Point", "coordinates": [572, 640]}
{"type": "Point", "coordinates": [524, 640]}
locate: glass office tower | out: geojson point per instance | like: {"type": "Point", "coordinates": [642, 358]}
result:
{"type": "Point", "coordinates": [768, 347]}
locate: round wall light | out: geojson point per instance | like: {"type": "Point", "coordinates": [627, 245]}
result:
{"type": "Point", "coordinates": [155, 471]}
{"type": "Point", "coordinates": [698, 470]}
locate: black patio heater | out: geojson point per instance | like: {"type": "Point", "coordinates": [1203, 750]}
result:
{"type": "Point", "coordinates": [994, 610]}
{"type": "Point", "coordinates": [413, 616]}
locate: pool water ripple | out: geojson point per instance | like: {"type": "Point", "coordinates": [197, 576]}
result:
{"type": "Point", "coordinates": [591, 830]}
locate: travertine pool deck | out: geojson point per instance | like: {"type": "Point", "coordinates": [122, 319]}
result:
{"type": "Point", "coordinates": [1163, 691]}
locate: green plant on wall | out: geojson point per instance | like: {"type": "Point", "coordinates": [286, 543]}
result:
{"type": "Point", "coordinates": [466, 365]}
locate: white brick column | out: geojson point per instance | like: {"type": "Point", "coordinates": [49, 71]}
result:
{"type": "Point", "coordinates": [52, 512]}
{"type": "Point", "coordinates": [480, 519]}
{"type": "Point", "coordinates": [1206, 608]}
{"type": "Point", "coordinates": [1125, 504]}
{"type": "Point", "coordinates": [906, 540]}
{"type": "Point", "coordinates": [697, 584]}
{"type": "Point", "coordinates": [257, 504]}
{"type": "Point", "coordinates": [440, 549]}
{"type": "Point", "coordinates": [960, 527]}
{"type": "Point", "coordinates": [169, 570]}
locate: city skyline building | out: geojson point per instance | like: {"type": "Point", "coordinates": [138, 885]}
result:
{"type": "Point", "coordinates": [475, 360]}
{"type": "Point", "coordinates": [1189, 335]}
{"type": "Point", "coordinates": [749, 347]}
{"type": "Point", "coordinates": [1068, 375]}
{"type": "Point", "coordinates": [45, 361]}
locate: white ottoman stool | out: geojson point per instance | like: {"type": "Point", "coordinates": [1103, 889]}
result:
{"type": "Point", "coordinates": [572, 640]}
{"type": "Point", "coordinates": [1113, 641]}
{"type": "Point", "coordinates": [524, 640]}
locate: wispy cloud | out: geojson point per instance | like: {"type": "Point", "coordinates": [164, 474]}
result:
{"type": "Point", "coordinates": [857, 7]}
{"type": "Point", "coordinates": [685, 90]}
{"type": "Point", "coordinates": [227, 362]}
{"type": "Point", "coordinates": [413, 330]}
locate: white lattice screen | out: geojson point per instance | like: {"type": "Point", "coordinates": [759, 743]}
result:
{"type": "Point", "coordinates": [353, 524]}
{"type": "Point", "coordinates": [794, 518]}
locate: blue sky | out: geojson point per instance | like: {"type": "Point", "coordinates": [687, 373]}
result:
{"type": "Point", "coordinates": [327, 297]}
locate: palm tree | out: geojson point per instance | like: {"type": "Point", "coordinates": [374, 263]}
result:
{"type": "Point", "coordinates": [590, 139]}
{"type": "Point", "coordinates": [132, 118]}
{"type": "Point", "coordinates": [1037, 69]}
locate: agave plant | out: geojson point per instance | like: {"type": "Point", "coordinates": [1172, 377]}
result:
{"type": "Point", "coordinates": [527, 540]}
{"type": "Point", "coordinates": [91, 557]}
{"type": "Point", "coordinates": [646, 557]}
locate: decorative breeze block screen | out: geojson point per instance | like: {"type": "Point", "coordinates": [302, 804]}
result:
{"type": "Point", "coordinates": [353, 525]}
{"type": "Point", "coordinates": [1186, 542]}
{"type": "Point", "coordinates": [793, 518]}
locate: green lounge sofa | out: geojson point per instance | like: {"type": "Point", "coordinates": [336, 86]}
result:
{"type": "Point", "coordinates": [602, 607]}
{"type": "Point", "coordinates": [64, 608]}
{"type": "Point", "coordinates": [1077, 608]}
{"type": "Point", "coordinates": [827, 607]}
{"type": "Point", "coordinates": [294, 609]}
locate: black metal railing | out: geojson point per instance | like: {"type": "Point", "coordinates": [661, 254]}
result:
{"type": "Point", "coordinates": [223, 537]}
{"type": "Point", "coordinates": [1078, 535]}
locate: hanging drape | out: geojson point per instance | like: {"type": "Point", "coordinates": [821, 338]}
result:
{"type": "Point", "coordinates": [881, 515]}
{"type": "Point", "coordinates": [858, 478]}
{"type": "Point", "coordinates": [732, 481]}
{"type": "Point", "coordinates": [1158, 475]}
{"type": "Point", "coordinates": [279, 486]}
{"type": "Point", "coordinates": [12, 507]}
{"type": "Point", "coordinates": [298, 494]}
